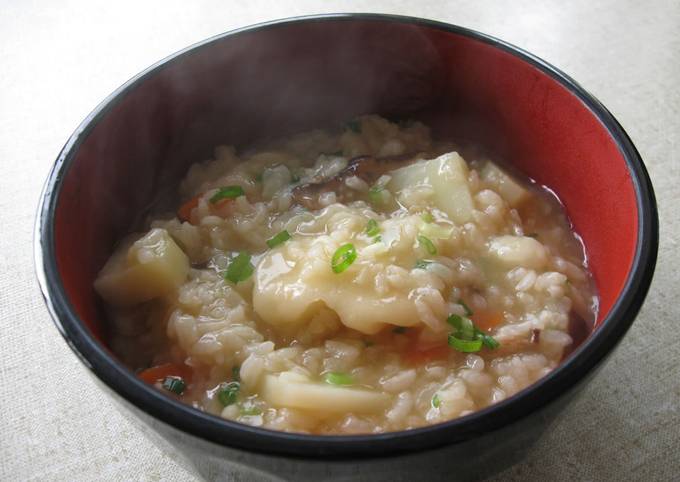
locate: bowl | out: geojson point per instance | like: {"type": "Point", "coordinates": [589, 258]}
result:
{"type": "Point", "coordinates": [277, 78]}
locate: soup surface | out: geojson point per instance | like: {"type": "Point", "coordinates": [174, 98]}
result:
{"type": "Point", "coordinates": [358, 280]}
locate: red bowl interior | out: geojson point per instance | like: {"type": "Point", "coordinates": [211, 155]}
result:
{"type": "Point", "coordinates": [291, 77]}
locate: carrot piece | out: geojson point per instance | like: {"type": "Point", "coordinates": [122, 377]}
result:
{"type": "Point", "coordinates": [184, 211]}
{"type": "Point", "coordinates": [487, 320]}
{"type": "Point", "coordinates": [160, 372]}
{"type": "Point", "coordinates": [415, 356]}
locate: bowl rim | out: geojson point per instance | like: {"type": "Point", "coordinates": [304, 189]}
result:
{"type": "Point", "coordinates": [264, 441]}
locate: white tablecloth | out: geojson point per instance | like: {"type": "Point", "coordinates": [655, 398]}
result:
{"type": "Point", "coordinates": [59, 59]}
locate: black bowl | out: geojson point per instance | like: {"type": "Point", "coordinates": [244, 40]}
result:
{"type": "Point", "coordinates": [291, 75]}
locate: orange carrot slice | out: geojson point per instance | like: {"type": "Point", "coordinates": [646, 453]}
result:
{"type": "Point", "coordinates": [184, 211]}
{"type": "Point", "coordinates": [160, 372]}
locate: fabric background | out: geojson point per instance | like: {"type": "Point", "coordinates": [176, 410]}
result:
{"type": "Point", "coordinates": [58, 60]}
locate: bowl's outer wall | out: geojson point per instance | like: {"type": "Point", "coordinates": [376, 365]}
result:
{"type": "Point", "coordinates": [286, 77]}
{"type": "Point", "coordinates": [262, 84]}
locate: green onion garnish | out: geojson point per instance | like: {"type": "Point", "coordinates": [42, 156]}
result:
{"type": "Point", "coordinates": [375, 195]}
{"type": "Point", "coordinates": [465, 346]}
{"type": "Point", "coordinates": [227, 192]}
{"type": "Point", "coordinates": [468, 311]}
{"type": "Point", "coordinates": [467, 337]}
{"type": "Point", "coordinates": [354, 126]}
{"type": "Point", "coordinates": [228, 393]}
{"type": "Point", "coordinates": [280, 238]}
{"type": "Point", "coordinates": [236, 372]}
{"type": "Point", "coordinates": [399, 330]}
{"type": "Point", "coordinates": [240, 268]}
{"type": "Point", "coordinates": [422, 263]}
{"type": "Point", "coordinates": [250, 411]}
{"type": "Point", "coordinates": [427, 244]}
{"type": "Point", "coordinates": [436, 401]}
{"type": "Point", "coordinates": [372, 228]}
{"type": "Point", "coordinates": [377, 239]}
{"type": "Point", "coordinates": [343, 258]}
{"type": "Point", "coordinates": [337, 378]}
{"type": "Point", "coordinates": [464, 327]}
{"type": "Point", "coordinates": [174, 385]}
{"type": "Point", "coordinates": [294, 179]}
{"type": "Point", "coordinates": [488, 340]}
{"type": "Point", "coordinates": [427, 217]}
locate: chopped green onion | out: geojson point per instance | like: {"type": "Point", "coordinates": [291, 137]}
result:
{"type": "Point", "coordinates": [337, 378]}
{"type": "Point", "coordinates": [251, 411]}
{"type": "Point", "coordinates": [467, 336]}
{"type": "Point", "coordinates": [377, 239]}
{"type": "Point", "coordinates": [436, 402]}
{"type": "Point", "coordinates": [240, 268]}
{"type": "Point", "coordinates": [372, 228]}
{"type": "Point", "coordinates": [375, 195]}
{"type": "Point", "coordinates": [468, 311]}
{"type": "Point", "coordinates": [465, 346]}
{"type": "Point", "coordinates": [294, 179]}
{"type": "Point", "coordinates": [227, 192]}
{"type": "Point", "coordinates": [489, 341]}
{"type": "Point", "coordinates": [399, 330]}
{"type": "Point", "coordinates": [422, 264]}
{"type": "Point", "coordinates": [236, 372]}
{"type": "Point", "coordinates": [427, 217]}
{"type": "Point", "coordinates": [174, 385]}
{"type": "Point", "coordinates": [343, 258]}
{"type": "Point", "coordinates": [464, 327]}
{"type": "Point", "coordinates": [354, 126]}
{"type": "Point", "coordinates": [280, 238]}
{"type": "Point", "coordinates": [427, 244]}
{"type": "Point", "coordinates": [228, 393]}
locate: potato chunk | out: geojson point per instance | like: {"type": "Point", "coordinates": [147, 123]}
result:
{"type": "Point", "coordinates": [511, 190]}
{"type": "Point", "coordinates": [290, 389]}
{"type": "Point", "coordinates": [511, 251]}
{"type": "Point", "coordinates": [447, 178]}
{"type": "Point", "coordinates": [142, 270]}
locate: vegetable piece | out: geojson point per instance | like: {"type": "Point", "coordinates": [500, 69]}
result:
{"type": "Point", "coordinates": [184, 211]}
{"type": "Point", "coordinates": [228, 393]}
{"type": "Point", "coordinates": [293, 390]}
{"type": "Point", "coordinates": [468, 311]}
{"type": "Point", "coordinates": [465, 346]}
{"type": "Point", "coordinates": [375, 195]}
{"type": "Point", "coordinates": [427, 244]}
{"type": "Point", "coordinates": [227, 192]}
{"type": "Point", "coordinates": [337, 378]}
{"type": "Point", "coordinates": [464, 327]}
{"type": "Point", "coordinates": [174, 385]}
{"type": "Point", "coordinates": [147, 268]}
{"type": "Point", "coordinates": [447, 176]}
{"type": "Point", "coordinates": [236, 373]}
{"type": "Point", "coordinates": [511, 190]}
{"type": "Point", "coordinates": [343, 258]}
{"type": "Point", "coordinates": [250, 411]}
{"type": "Point", "coordinates": [467, 337]}
{"type": "Point", "coordinates": [427, 217]}
{"type": "Point", "coordinates": [161, 372]}
{"type": "Point", "coordinates": [436, 402]}
{"type": "Point", "coordinates": [510, 251]}
{"type": "Point", "coordinates": [280, 238]}
{"type": "Point", "coordinates": [418, 357]}
{"type": "Point", "coordinates": [372, 228]}
{"type": "Point", "coordinates": [240, 268]}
